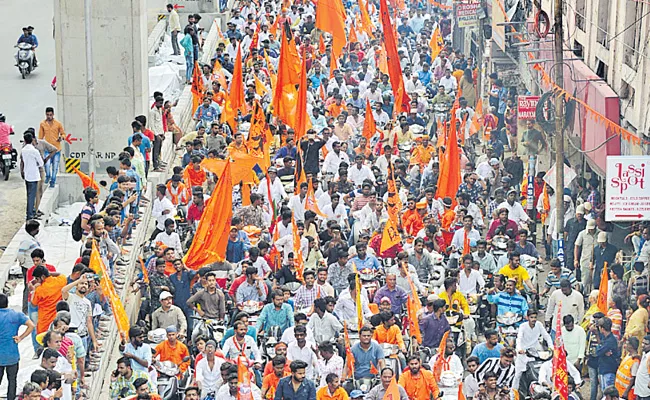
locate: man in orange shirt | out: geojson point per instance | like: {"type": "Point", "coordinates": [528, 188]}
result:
{"type": "Point", "coordinates": [415, 222]}
{"type": "Point", "coordinates": [47, 293]}
{"type": "Point", "coordinates": [52, 131]}
{"type": "Point", "coordinates": [237, 146]}
{"type": "Point", "coordinates": [270, 382]}
{"type": "Point", "coordinates": [194, 174]}
{"type": "Point", "coordinates": [173, 350]}
{"type": "Point", "coordinates": [388, 332]}
{"type": "Point", "coordinates": [335, 108]}
{"type": "Point", "coordinates": [449, 215]}
{"type": "Point", "coordinates": [422, 153]}
{"type": "Point", "coordinates": [333, 390]}
{"type": "Point", "coordinates": [418, 382]}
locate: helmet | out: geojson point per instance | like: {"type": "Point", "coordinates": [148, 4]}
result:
{"type": "Point", "coordinates": [2, 117]}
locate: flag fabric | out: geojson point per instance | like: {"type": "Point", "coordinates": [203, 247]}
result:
{"type": "Point", "coordinates": [334, 65]}
{"type": "Point", "coordinates": [297, 253]}
{"type": "Point", "coordinates": [466, 243]}
{"type": "Point", "coordinates": [145, 273]}
{"type": "Point", "coordinates": [218, 75]}
{"type": "Point", "coordinates": [414, 324]}
{"type": "Point", "coordinates": [310, 201]}
{"type": "Point", "coordinates": [228, 113]}
{"type": "Point", "coordinates": [393, 202]}
{"type": "Point", "coordinates": [211, 238]}
{"type": "Point", "coordinates": [602, 291]}
{"type": "Point", "coordinates": [349, 357]}
{"type": "Point", "coordinates": [366, 22]}
{"type": "Point", "coordinates": [477, 118]}
{"type": "Point", "coordinates": [403, 102]}
{"type": "Point", "coordinates": [440, 361]}
{"type": "Point", "coordinates": [254, 41]}
{"type": "Point", "coordinates": [321, 44]}
{"type": "Point", "coordinates": [303, 121]}
{"type": "Point", "coordinates": [449, 178]}
{"type": "Point", "coordinates": [357, 300]}
{"type": "Point", "coordinates": [330, 18]}
{"type": "Point", "coordinates": [390, 237]}
{"type": "Point", "coordinates": [260, 87]}
{"type": "Point", "coordinates": [197, 87]}
{"type": "Point", "coordinates": [436, 43]}
{"type": "Point", "coordinates": [392, 392]}
{"type": "Point", "coordinates": [382, 62]}
{"type": "Point", "coordinates": [352, 36]}
{"type": "Point", "coordinates": [560, 370]}
{"type": "Point", "coordinates": [236, 94]}
{"type": "Point", "coordinates": [285, 95]}
{"type": "Point", "coordinates": [121, 319]}
{"type": "Point", "coordinates": [461, 394]}
{"type": "Point", "coordinates": [546, 204]}
{"type": "Point", "coordinates": [369, 124]}
{"type": "Point", "coordinates": [87, 181]}
{"type": "Point", "coordinates": [244, 390]}
{"type": "Point", "coordinates": [373, 369]}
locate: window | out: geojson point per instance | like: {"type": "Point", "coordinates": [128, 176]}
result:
{"type": "Point", "coordinates": [601, 69]}
{"type": "Point", "coordinates": [578, 49]}
{"type": "Point", "coordinates": [603, 22]}
{"type": "Point", "coordinates": [632, 36]}
{"type": "Point", "coordinates": [580, 14]}
{"type": "Point", "coordinates": [627, 92]}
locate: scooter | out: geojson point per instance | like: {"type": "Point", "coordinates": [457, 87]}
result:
{"type": "Point", "coordinates": [25, 59]}
{"type": "Point", "coordinates": [370, 281]}
{"type": "Point", "coordinates": [167, 380]}
{"type": "Point", "coordinates": [530, 376]}
{"type": "Point", "coordinates": [508, 324]}
{"type": "Point", "coordinates": [449, 384]}
{"type": "Point", "coordinates": [9, 157]}
{"type": "Point", "coordinates": [211, 329]}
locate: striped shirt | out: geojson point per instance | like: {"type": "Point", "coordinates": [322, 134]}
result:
{"type": "Point", "coordinates": [505, 375]}
{"type": "Point", "coordinates": [553, 281]}
{"type": "Point", "coordinates": [505, 302]}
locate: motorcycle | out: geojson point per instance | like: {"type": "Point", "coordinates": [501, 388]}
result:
{"type": "Point", "coordinates": [530, 376]}
{"type": "Point", "coordinates": [458, 333]}
{"type": "Point", "coordinates": [25, 59]}
{"type": "Point", "coordinates": [211, 329]}
{"type": "Point", "coordinates": [391, 357]}
{"type": "Point", "coordinates": [370, 281]}
{"type": "Point", "coordinates": [9, 157]}
{"type": "Point", "coordinates": [168, 385]}
{"type": "Point", "coordinates": [499, 246]}
{"type": "Point", "coordinates": [253, 309]}
{"type": "Point", "coordinates": [449, 384]}
{"type": "Point", "coordinates": [268, 341]}
{"type": "Point", "coordinates": [508, 324]}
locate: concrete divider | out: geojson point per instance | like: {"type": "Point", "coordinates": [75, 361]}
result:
{"type": "Point", "coordinates": [156, 38]}
{"type": "Point", "coordinates": [210, 43]}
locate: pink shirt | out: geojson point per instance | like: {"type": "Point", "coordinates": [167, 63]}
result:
{"type": "Point", "coordinates": [5, 131]}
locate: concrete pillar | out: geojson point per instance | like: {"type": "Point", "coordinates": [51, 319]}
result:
{"type": "Point", "coordinates": [119, 45]}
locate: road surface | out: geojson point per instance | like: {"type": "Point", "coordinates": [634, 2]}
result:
{"type": "Point", "coordinates": [23, 102]}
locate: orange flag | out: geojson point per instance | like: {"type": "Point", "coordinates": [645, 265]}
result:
{"type": "Point", "coordinates": [349, 357]}
{"type": "Point", "coordinates": [436, 43]}
{"type": "Point", "coordinates": [121, 319]}
{"type": "Point", "coordinates": [477, 119]}
{"type": "Point", "coordinates": [310, 201]}
{"type": "Point", "coordinates": [217, 73]}
{"type": "Point", "coordinates": [334, 65]}
{"type": "Point", "coordinates": [394, 204]}
{"type": "Point", "coordinates": [87, 181]}
{"type": "Point", "coordinates": [330, 17]}
{"type": "Point", "coordinates": [303, 122]}
{"type": "Point", "coordinates": [461, 394]}
{"type": "Point", "coordinates": [211, 238]}
{"type": "Point", "coordinates": [414, 324]}
{"type": "Point", "coordinates": [145, 273]}
{"type": "Point", "coordinates": [357, 300]}
{"type": "Point", "coordinates": [382, 61]}
{"type": "Point", "coordinates": [229, 113]}
{"type": "Point", "coordinates": [285, 96]}
{"type": "Point", "coordinates": [602, 291]}
{"type": "Point", "coordinates": [321, 44]}
{"type": "Point", "coordinates": [197, 87]}
{"type": "Point", "coordinates": [366, 23]}
{"type": "Point", "coordinates": [546, 203]}
{"type": "Point", "coordinates": [260, 87]}
{"type": "Point", "coordinates": [297, 253]}
{"type": "Point", "coordinates": [392, 392]}
{"type": "Point", "coordinates": [390, 237]}
{"type": "Point", "coordinates": [353, 35]}
{"type": "Point", "coordinates": [369, 125]}
{"type": "Point", "coordinates": [244, 390]}
{"type": "Point", "coordinates": [449, 178]}
{"type": "Point", "coordinates": [236, 94]}
{"type": "Point", "coordinates": [273, 29]}
{"type": "Point", "coordinates": [394, 67]}
{"type": "Point", "coordinates": [440, 361]}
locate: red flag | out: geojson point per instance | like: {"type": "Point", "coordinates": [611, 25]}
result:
{"type": "Point", "coordinates": [394, 67]}
{"type": "Point", "coordinates": [330, 18]}
{"type": "Point", "coordinates": [560, 371]}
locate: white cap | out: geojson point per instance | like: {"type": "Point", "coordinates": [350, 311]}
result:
{"type": "Point", "coordinates": [567, 198]}
{"type": "Point", "coordinates": [165, 295]}
{"type": "Point", "coordinates": [591, 224]}
{"type": "Point", "coordinates": [587, 205]}
{"type": "Point", "coordinates": [580, 210]}
{"type": "Point", "coordinates": [602, 237]}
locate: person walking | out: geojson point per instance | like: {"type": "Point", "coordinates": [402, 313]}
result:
{"type": "Point", "coordinates": [10, 323]}
{"type": "Point", "coordinates": [30, 163]}
{"type": "Point", "coordinates": [52, 131]}
{"type": "Point", "coordinates": [174, 27]}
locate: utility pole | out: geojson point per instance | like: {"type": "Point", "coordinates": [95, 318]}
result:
{"type": "Point", "coordinates": [90, 85]}
{"type": "Point", "coordinates": [559, 131]}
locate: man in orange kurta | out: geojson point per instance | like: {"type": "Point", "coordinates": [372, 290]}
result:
{"type": "Point", "coordinates": [449, 215]}
{"type": "Point", "coordinates": [194, 175]}
{"type": "Point", "coordinates": [173, 350]}
{"type": "Point", "coordinates": [47, 294]}
{"type": "Point", "coordinates": [417, 381]}
{"type": "Point", "coordinates": [415, 222]}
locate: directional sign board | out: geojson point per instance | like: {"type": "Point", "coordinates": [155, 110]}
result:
{"type": "Point", "coordinates": [627, 191]}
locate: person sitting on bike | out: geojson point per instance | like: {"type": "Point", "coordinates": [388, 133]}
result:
{"type": "Point", "coordinates": [275, 314]}
{"type": "Point", "coordinates": [510, 227]}
{"type": "Point", "coordinates": [442, 100]}
{"type": "Point", "coordinates": [451, 361]}
{"type": "Point", "coordinates": [29, 38]}
{"type": "Point", "coordinates": [418, 382]}
{"type": "Point", "coordinates": [173, 350]}
{"type": "Point", "coordinates": [368, 355]}
{"type": "Point", "coordinates": [5, 131]}
{"type": "Point", "coordinates": [454, 298]}
{"type": "Point", "coordinates": [396, 294]}
{"type": "Point", "coordinates": [388, 332]}
{"type": "Point", "coordinates": [528, 341]}
{"type": "Point", "coordinates": [509, 300]}
{"type": "Point", "coordinates": [517, 272]}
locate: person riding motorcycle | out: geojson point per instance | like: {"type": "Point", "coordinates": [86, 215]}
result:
{"type": "Point", "coordinates": [5, 130]}
{"type": "Point", "coordinates": [509, 300]}
{"type": "Point", "coordinates": [29, 38]}
{"type": "Point", "coordinates": [456, 301]}
{"type": "Point", "coordinates": [517, 272]}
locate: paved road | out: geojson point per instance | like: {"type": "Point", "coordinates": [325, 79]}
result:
{"type": "Point", "coordinates": [23, 102]}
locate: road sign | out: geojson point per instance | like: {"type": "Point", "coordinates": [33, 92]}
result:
{"type": "Point", "coordinates": [627, 193]}
{"type": "Point", "coordinates": [71, 164]}
{"type": "Point", "coordinates": [70, 139]}
{"type": "Point", "coordinates": [467, 14]}
{"type": "Point", "coordinates": [526, 106]}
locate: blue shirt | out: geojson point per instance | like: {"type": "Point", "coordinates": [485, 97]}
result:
{"type": "Point", "coordinates": [143, 352]}
{"type": "Point", "coordinates": [10, 322]}
{"type": "Point", "coordinates": [252, 332]}
{"type": "Point", "coordinates": [483, 353]}
{"type": "Point", "coordinates": [369, 262]}
{"type": "Point", "coordinates": [363, 359]}
{"type": "Point", "coordinates": [608, 355]}
{"type": "Point", "coordinates": [515, 303]}
{"type": "Point", "coordinates": [397, 297]}
{"type": "Point", "coordinates": [207, 115]}
{"type": "Point", "coordinates": [182, 289]}
{"type": "Point", "coordinates": [425, 77]}
{"type": "Point", "coordinates": [284, 391]}
{"type": "Point", "coordinates": [31, 39]}
{"type": "Point", "coordinates": [146, 143]}
{"type": "Point", "coordinates": [270, 317]}
{"type": "Point", "coordinates": [284, 151]}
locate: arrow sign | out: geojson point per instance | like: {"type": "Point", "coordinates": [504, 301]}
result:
{"type": "Point", "coordinates": [629, 215]}
{"type": "Point", "coordinates": [70, 139]}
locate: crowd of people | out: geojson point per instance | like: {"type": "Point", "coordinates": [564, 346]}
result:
{"type": "Point", "coordinates": [312, 301]}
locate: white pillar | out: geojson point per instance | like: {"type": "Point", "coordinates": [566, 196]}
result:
{"type": "Point", "coordinates": [119, 43]}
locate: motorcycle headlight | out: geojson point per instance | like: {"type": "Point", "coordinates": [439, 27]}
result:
{"type": "Point", "coordinates": [22, 54]}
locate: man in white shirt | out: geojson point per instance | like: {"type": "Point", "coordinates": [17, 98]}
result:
{"type": "Point", "coordinates": [277, 190]}
{"type": "Point", "coordinates": [358, 172]}
{"type": "Point", "coordinates": [515, 211]}
{"type": "Point", "coordinates": [346, 308]}
{"type": "Point", "coordinates": [384, 159]}
{"type": "Point", "coordinates": [469, 278]}
{"type": "Point", "coordinates": [208, 370]}
{"type": "Point", "coordinates": [242, 343]}
{"type": "Point", "coordinates": [170, 238]}
{"type": "Point", "coordinates": [335, 210]}
{"type": "Point", "coordinates": [298, 201]}
{"type": "Point", "coordinates": [546, 373]}
{"type": "Point", "coordinates": [328, 362]}
{"type": "Point", "coordinates": [642, 382]}
{"type": "Point", "coordinates": [288, 336]}
{"type": "Point", "coordinates": [30, 164]}
{"type": "Point", "coordinates": [324, 325]}
{"type": "Point", "coordinates": [303, 350]}
{"type": "Point", "coordinates": [449, 82]}
{"type": "Point", "coordinates": [463, 237]}
{"type": "Point", "coordinates": [575, 340]}
{"type": "Point", "coordinates": [528, 336]}
{"type": "Point", "coordinates": [571, 300]}
{"type": "Point", "coordinates": [162, 210]}
{"type": "Point", "coordinates": [334, 159]}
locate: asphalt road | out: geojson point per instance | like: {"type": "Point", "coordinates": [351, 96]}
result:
{"type": "Point", "coordinates": [23, 102]}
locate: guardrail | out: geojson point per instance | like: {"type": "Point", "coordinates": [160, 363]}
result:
{"type": "Point", "coordinates": [210, 43]}
{"type": "Point", "coordinates": [156, 38]}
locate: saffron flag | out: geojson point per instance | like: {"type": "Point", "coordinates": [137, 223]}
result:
{"type": "Point", "coordinates": [330, 18]}
{"type": "Point", "coordinates": [244, 390]}
{"type": "Point", "coordinates": [393, 203]}
{"type": "Point", "coordinates": [228, 113]}
{"type": "Point", "coordinates": [414, 324]}
{"type": "Point", "coordinates": [87, 181]}
{"type": "Point", "coordinates": [285, 96]}
{"type": "Point", "coordinates": [373, 369]}
{"type": "Point", "coordinates": [297, 253]}
{"type": "Point", "coordinates": [321, 44]}
{"type": "Point", "coordinates": [369, 124]}
{"type": "Point", "coordinates": [349, 357]}
{"type": "Point", "coordinates": [436, 43]}
{"type": "Point", "coordinates": [357, 300]}
{"type": "Point", "coordinates": [560, 371]}
{"type": "Point", "coordinates": [352, 35]}
{"type": "Point", "coordinates": [390, 236]}
{"type": "Point", "coordinates": [334, 65]}
{"type": "Point", "coordinates": [466, 243]}
{"type": "Point", "coordinates": [310, 201]}
{"type": "Point", "coordinates": [382, 62]}
{"type": "Point", "coordinates": [461, 394]}
{"type": "Point", "coordinates": [546, 204]}
{"type": "Point", "coordinates": [602, 291]}
{"type": "Point", "coordinates": [218, 75]}
{"type": "Point", "coordinates": [449, 178]}
{"type": "Point", "coordinates": [440, 360]}
{"type": "Point", "coordinates": [145, 273]}
{"type": "Point", "coordinates": [477, 118]}
{"type": "Point", "coordinates": [392, 392]}
{"type": "Point", "coordinates": [211, 238]}
{"type": "Point", "coordinates": [260, 87]}
{"type": "Point", "coordinates": [121, 319]}
{"type": "Point", "coordinates": [197, 87]}
{"type": "Point", "coordinates": [303, 121]}
{"type": "Point", "coordinates": [403, 102]}
{"type": "Point", "coordinates": [236, 94]}
{"type": "Point", "coordinates": [366, 22]}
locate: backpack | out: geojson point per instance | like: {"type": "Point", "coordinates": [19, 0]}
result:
{"type": "Point", "coordinates": [77, 232]}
